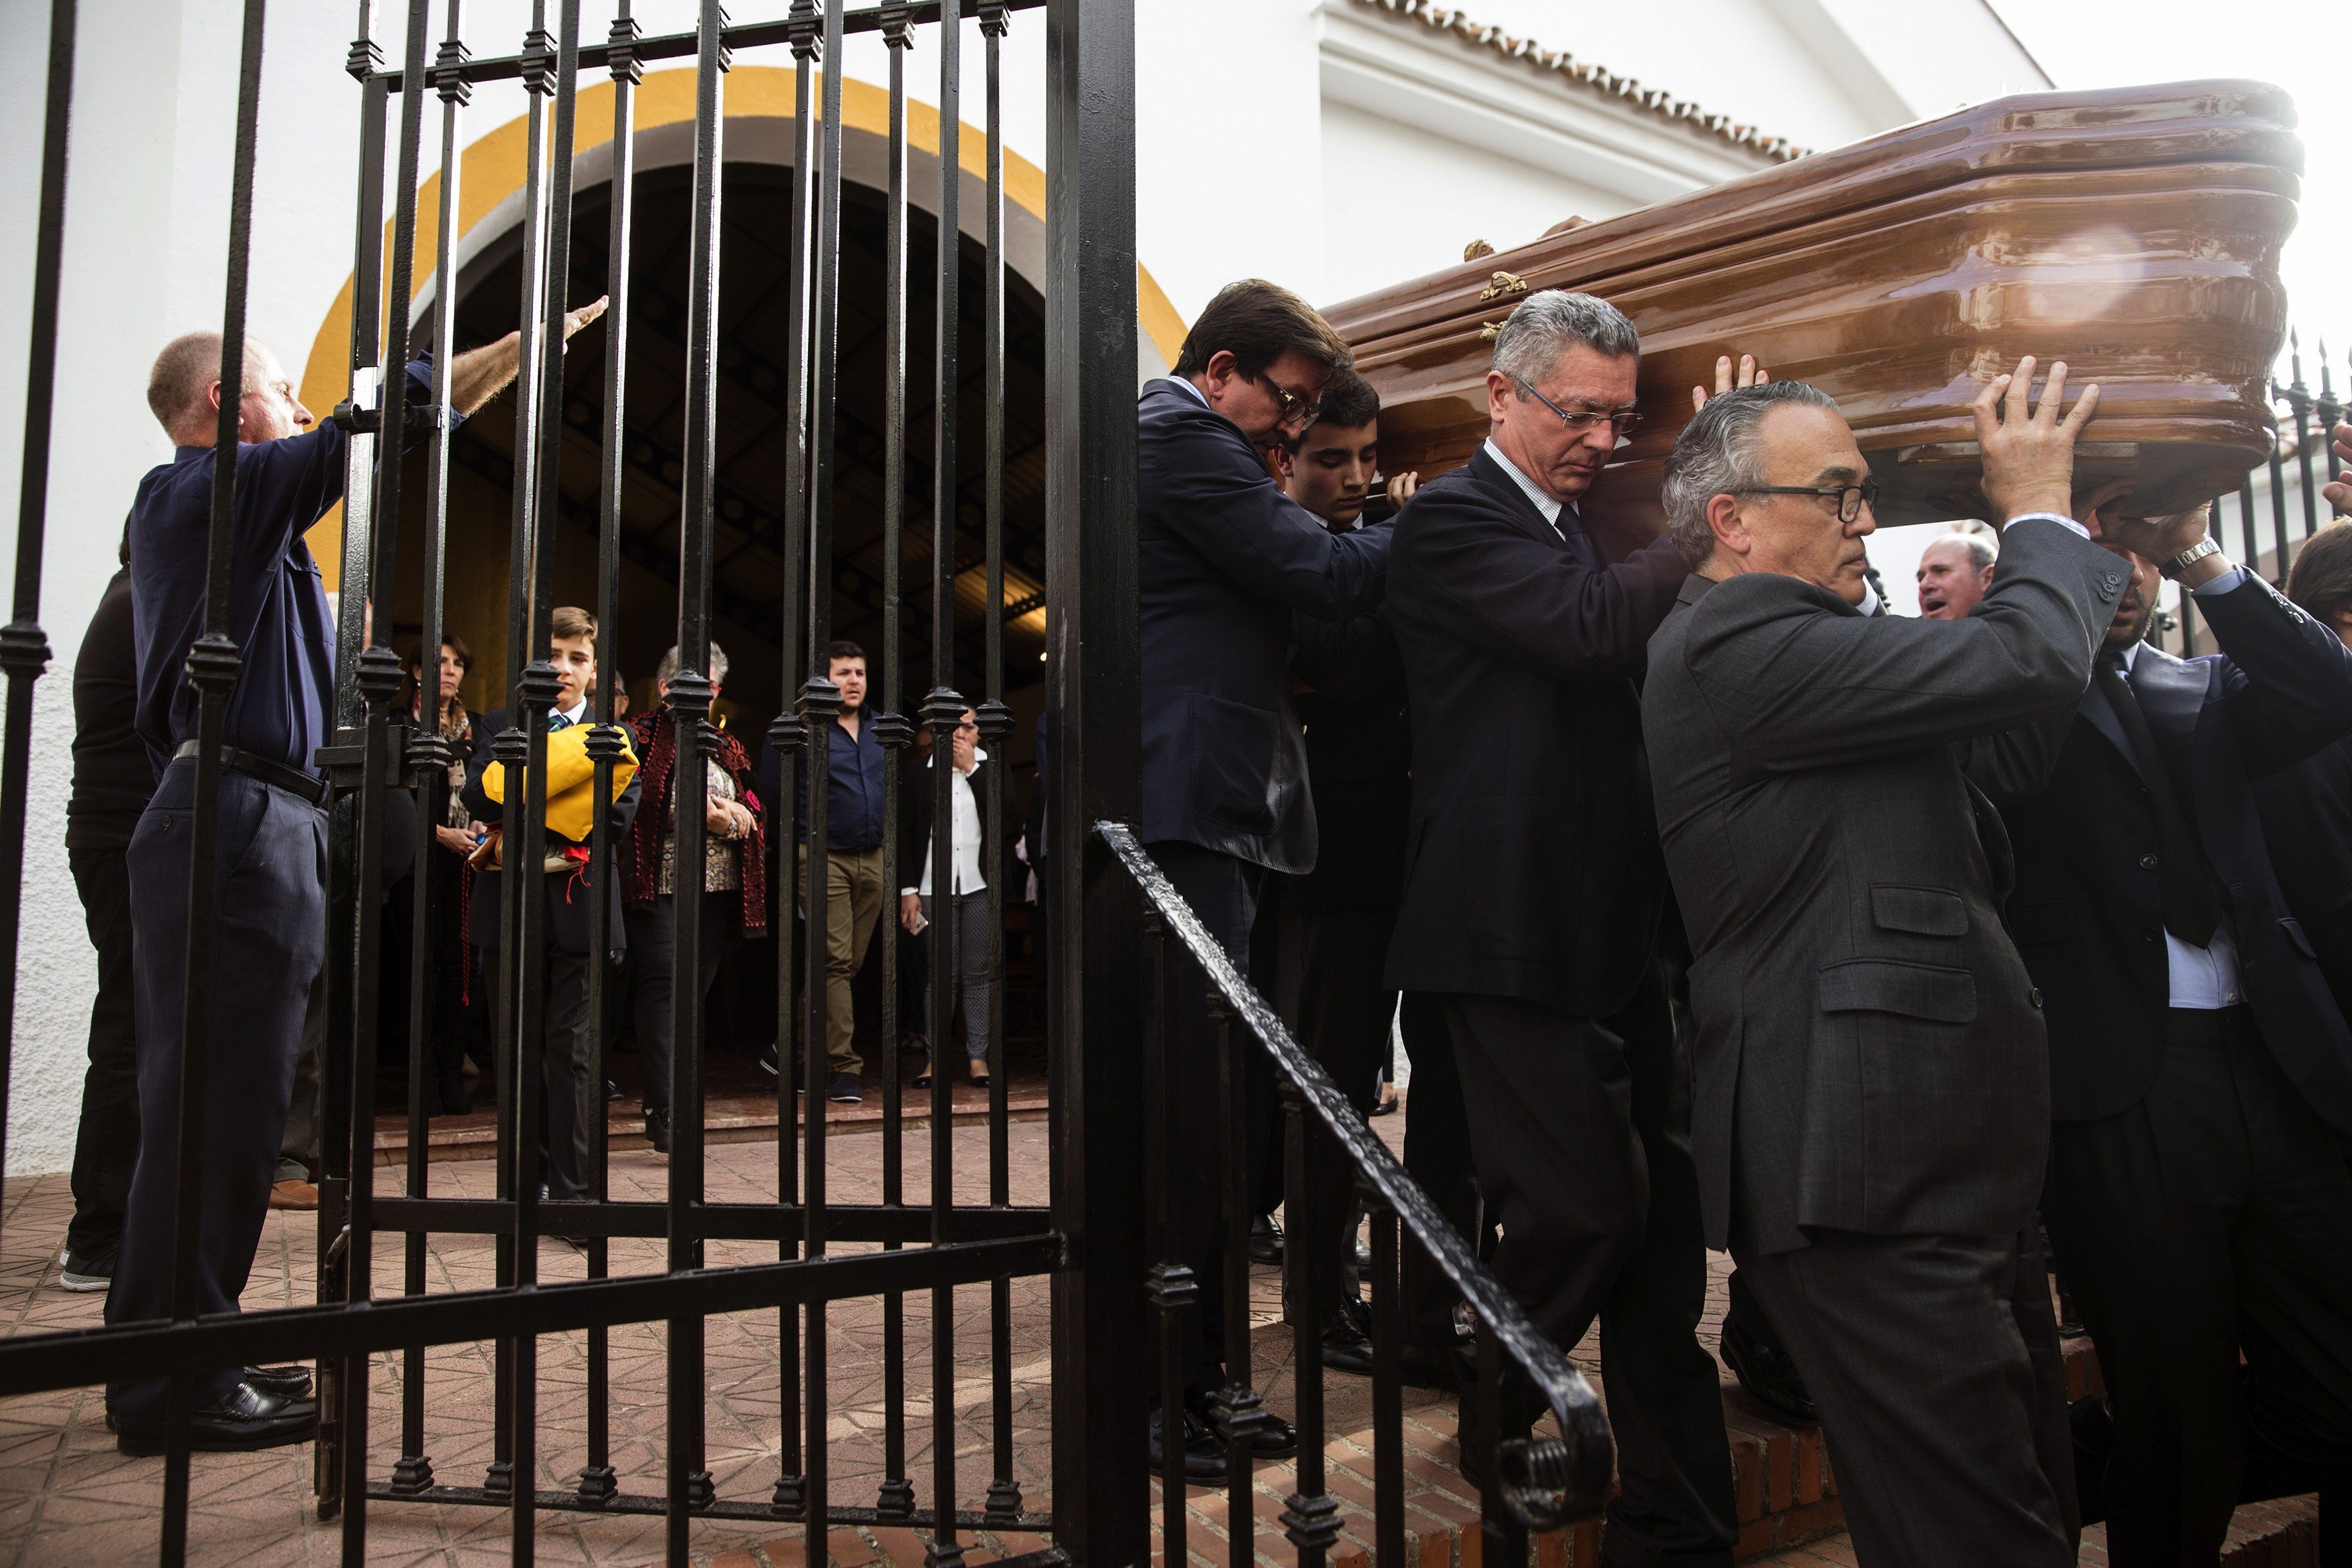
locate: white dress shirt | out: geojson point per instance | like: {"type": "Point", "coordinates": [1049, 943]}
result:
{"type": "Point", "coordinates": [1186, 383]}
{"type": "Point", "coordinates": [575, 714]}
{"type": "Point", "coordinates": [963, 851]}
{"type": "Point", "coordinates": [1544, 503]}
{"type": "Point", "coordinates": [2201, 978]}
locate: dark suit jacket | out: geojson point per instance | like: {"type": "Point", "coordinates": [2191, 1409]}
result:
{"type": "Point", "coordinates": [1225, 558]}
{"type": "Point", "coordinates": [1359, 760]}
{"type": "Point", "coordinates": [915, 786]}
{"type": "Point", "coordinates": [567, 908]}
{"type": "Point", "coordinates": [1532, 867]}
{"type": "Point", "coordinates": [1868, 1055]}
{"type": "Point", "coordinates": [2087, 913]}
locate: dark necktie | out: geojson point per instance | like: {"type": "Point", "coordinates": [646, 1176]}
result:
{"type": "Point", "coordinates": [557, 721]}
{"type": "Point", "coordinates": [2184, 881]}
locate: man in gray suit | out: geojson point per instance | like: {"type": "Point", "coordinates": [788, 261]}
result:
{"type": "Point", "coordinates": [1872, 1091]}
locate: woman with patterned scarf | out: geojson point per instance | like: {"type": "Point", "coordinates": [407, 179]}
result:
{"type": "Point", "coordinates": [734, 886]}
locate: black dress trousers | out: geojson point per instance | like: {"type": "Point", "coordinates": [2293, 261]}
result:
{"type": "Point", "coordinates": [268, 938]}
{"type": "Point", "coordinates": [1223, 892]}
{"type": "Point", "coordinates": [1583, 1157]}
{"type": "Point", "coordinates": [1436, 1156]}
{"type": "Point", "coordinates": [106, 1143]}
{"type": "Point", "coordinates": [2213, 1217]}
{"type": "Point", "coordinates": [653, 990]}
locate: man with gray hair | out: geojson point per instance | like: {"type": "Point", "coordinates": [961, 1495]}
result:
{"type": "Point", "coordinates": [1533, 897]}
{"type": "Point", "coordinates": [1955, 570]}
{"type": "Point", "coordinates": [1870, 1087]}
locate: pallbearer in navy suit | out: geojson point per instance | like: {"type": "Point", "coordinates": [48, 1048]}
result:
{"type": "Point", "coordinates": [271, 919]}
{"type": "Point", "coordinates": [1227, 558]}
{"type": "Point", "coordinates": [2200, 1071]}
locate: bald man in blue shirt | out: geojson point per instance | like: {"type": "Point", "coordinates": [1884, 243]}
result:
{"type": "Point", "coordinates": [270, 919]}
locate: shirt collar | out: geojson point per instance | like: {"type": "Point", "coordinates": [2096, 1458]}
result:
{"type": "Point", "coordinates": [1545, 504]}
{"type": "Point", "coordinates": [574, 714]}
{"type": "Point", "coordinates": [1198, 395]}
{"type": "Point", "coordinates": [1869, 606]}
{"type": "Point", "coordinates": [2131, 657]}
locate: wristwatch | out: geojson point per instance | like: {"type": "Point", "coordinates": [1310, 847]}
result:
{"type": "Point", "coordinates": [2189, 557]}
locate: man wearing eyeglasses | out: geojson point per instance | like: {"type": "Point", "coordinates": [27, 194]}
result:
{"type": "Point", "coordinates": [1533, 899]}
{"type": "Point", "coordinates": [1225, 560]}
{"type": "Point", "coordinates": [1870, 1084]}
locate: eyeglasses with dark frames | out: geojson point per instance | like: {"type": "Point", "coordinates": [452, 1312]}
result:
{"type": "Point", "coordinates": [1850, 498]}
{"type": "Point", "coordinates": [1294, 406]}
{"type": "Point", "coordinates": [1623, 421]}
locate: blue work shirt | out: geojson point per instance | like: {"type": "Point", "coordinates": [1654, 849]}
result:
{"type": "Point", "coordinates": [283, 702]}
{"type": "Point", "coordinates": [853, 806]}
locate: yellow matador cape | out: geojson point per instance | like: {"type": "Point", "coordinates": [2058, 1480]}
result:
{"type": "Point", "coordinates": [571, 781]}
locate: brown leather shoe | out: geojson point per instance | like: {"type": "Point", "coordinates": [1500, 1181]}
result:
{"type": "Point", "coordinates": [292, 1195]}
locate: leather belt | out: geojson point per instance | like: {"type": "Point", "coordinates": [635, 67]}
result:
{"type": "Point", "coordinates": [266, 770]}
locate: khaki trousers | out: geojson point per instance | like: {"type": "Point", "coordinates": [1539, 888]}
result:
{"type": "Point", "coordinates": [852, 903]}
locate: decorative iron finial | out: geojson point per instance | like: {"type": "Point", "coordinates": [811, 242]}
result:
{"type": "Point", "coordinates": [621, 48]}
{"type": "Point", "coordinates": [898, 24]}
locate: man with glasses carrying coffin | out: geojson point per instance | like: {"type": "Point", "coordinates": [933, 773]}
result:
{"type": "Point", "coordinates": [269, 932]}
{"type": "Point", "coordinates": [1227, 558]}
{"type": "Point", "coordinates": [1533, 894]}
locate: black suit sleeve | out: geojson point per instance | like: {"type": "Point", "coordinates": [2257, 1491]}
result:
{"type": "Point", "coordinates": [2287, 688]}
{"type": "Point", "coordinates": [1347, 659]}
{"type": "Point", "coordinates": [1210, 489]}
{"type": "Point", "coordinates": [2014, 764]}
{"type": "Point", "coordinates": [1530, 602]}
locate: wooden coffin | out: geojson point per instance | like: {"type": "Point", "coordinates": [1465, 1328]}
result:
{"type": "Point", "coordinates": [2132, 232]}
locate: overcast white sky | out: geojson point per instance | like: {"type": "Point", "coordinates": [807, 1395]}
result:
{"type": "Point", "coordinates": [2302, 45]}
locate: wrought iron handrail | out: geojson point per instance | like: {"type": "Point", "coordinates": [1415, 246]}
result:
{"type": "Point", "coordinates": [1544, 1482]}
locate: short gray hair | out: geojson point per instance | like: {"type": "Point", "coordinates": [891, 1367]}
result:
{"type": "Point", "coordinates": [1982, 550]}
{"type": "Point", "coordinates": [667, 670]}
{"type": "Point", "coordinates": [1548, 324]}
{"type": "Point", "coordinates": [1716, 453]}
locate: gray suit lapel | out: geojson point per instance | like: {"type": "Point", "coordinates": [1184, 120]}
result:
{"type": "Point", "coordinates": [2171, 692]}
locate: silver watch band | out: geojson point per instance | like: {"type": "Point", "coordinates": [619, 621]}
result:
{"type": "Point", "coordinates": [2181, 562]}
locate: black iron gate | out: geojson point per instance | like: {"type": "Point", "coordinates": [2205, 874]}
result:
{"type": "Point", "coordinates": [1088, 1239]}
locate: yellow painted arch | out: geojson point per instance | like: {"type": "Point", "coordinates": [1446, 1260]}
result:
{"type": "Point", "coordinates": [491, 169]}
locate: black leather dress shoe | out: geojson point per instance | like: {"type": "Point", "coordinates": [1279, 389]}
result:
{"type": "Point", "coordinates": [1204, 1455]}
{"type": "Point", "coordinates": [657, 1130]}
{"type": "Point", "coordinates": [1276, 1439]}
{"type": "Point", "coordinates": [1768, 1373]}
{"type": "Point", "coordinates": [284, 1382]}
{"type": "Point", "coordinates": [1347, 1339]}
{"type": "Point", "coordinates": [242, 1419]}
{"type": "Point", "coordinates": [1266, 1240]}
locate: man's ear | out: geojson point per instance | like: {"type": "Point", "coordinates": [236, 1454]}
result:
{"type": "Point", "coordinates": [1498, 387]}
{"type": "Point", "coordinates": [1724, 521]}
{"type": "Point", "coordinates": [1221, 369]}
{"type": "Point", "coordinates": [1283, 460]}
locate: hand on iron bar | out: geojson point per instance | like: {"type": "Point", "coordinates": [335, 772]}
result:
{"type": "Point", "coordinates": [2029, 454]}
{"type": "Point", "coordinates": [2340, 491]}
{"type": "Point", "coordinates": [1750, 375]}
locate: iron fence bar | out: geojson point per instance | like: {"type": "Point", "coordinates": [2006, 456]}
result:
{"type": "Point", "coordinates": [2298, 399]}
{"type": "Point", "coordinates": [24, 647]}
{"type": "Point", "coordinates": [357, 415]}
{"type": "Point", "coordinates": [896, 1498]}
{"type": "Point", "coordinates": [788, 734]}
{"type": "Point", "coordinates": [995, 729]}
{"type": "Point", "coordinates": [746, 36]}
{"type": "Point", "coordinates": [212, 665]}
{"type": "Point", "coordinates": [1172, 1286]}
{"type": "Point", "coordinates": [1241, 1413]}
{"type": "Point", "coordinates": [820, 704]}
{"type": "Point", "coordinates": [1388, 1388]}
{"type": "Point", "coordinates": [1502, 1533]}
{"type": "Point", "coordinates": [892, 1225]}
{"type": "Point", "coordinates": [36, 1364]}
{"type": "Point", "coordinates": [432, 752]}
{"type": "Point", "coordinates": [377, 684]}
{"type": "Point", "coordinates": [944, 709]}
{"type": "Point", "coordinates": [2246, 521]}
{"type": "Point", "coordinates": [1310, 1517]}
{"type": "Point", "coordinates": [598, 1482]}
{"type": "Point", "coordinates": [2278, 498]}
{"type": "Point", "coordinates": [1094, 707]}
{"type": "Point", "coordinates": [690, 1488]}
{"type": "Point", "coordinates": [736, 1507]}
{"type": "Point", "coordinates": [1541, 1481]}
{"type": "Point", "coordinates": [2330, 413]}
{"type": "Point", "coordinates": [530, 684]}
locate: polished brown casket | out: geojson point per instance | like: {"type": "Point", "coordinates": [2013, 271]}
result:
{"type": "Point", "coordinates": [2132, 232]}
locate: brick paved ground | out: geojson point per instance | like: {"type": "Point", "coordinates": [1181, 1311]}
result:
{"type": "Point", "coordinates": [67, 1497]}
